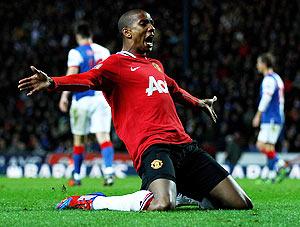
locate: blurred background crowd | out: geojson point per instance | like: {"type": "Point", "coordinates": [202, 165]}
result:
{"type": "Point", "coordinates": [225, 38]}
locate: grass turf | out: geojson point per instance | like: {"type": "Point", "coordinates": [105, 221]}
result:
{"type": "Point", "coordinates": [31, 202]}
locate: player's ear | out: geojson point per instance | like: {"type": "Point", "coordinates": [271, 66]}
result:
{"type": "Point", "coordinates": [127, 33]}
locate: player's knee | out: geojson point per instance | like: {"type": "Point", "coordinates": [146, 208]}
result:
{"type": "Point", "coordinates": [249, 204]}
{"type": "Point", "coordinates": [244, 203]}
{"type": "Point", "coordinates": [165, 203]}
{"type": "Point", "coordinates": [259, 145]}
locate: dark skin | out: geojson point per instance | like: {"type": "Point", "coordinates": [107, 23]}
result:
{"type": "Point", "coordinates": [138, 39]}
{"type": "Point", "coordinates": [227, 194]}
{"type": "Point", "coordinates": [135, 36]}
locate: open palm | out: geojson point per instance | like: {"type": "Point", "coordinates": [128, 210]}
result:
{"type": "Point", "coordinates": [37, 82]}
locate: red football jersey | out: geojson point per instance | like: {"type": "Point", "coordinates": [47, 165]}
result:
{"type": "Point", "coordinates": [141, 98]}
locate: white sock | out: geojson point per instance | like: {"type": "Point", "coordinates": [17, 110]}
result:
{"type": "Point", "coordinates": [108, 171]}
{"type": "Point", "coordinates": [77, 176]}
{"type": "Point", "coordinates": [280, 164]}
{"type": "Point", "coordinates": [272, 174]}
{"type": "Point", "coordinates": [132, 202]}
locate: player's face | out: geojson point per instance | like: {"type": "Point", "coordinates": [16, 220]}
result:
{"type": "Point", "coordinates": [142, 31]}
{"type": "Point", "coordinates": [260, 65]}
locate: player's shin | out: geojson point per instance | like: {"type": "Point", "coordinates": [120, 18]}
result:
{"type": "Point", "coordinates": [78, 159]}
{"type": "Point", "coordinates": [137, 201]}
{"type": "Point", "coordinates": [107, 152]}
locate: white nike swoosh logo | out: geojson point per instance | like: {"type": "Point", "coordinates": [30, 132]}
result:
{"type": "Point", "coordinates": [134, 68]}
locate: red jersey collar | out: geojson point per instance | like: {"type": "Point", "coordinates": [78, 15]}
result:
{"type": "Point", "coordinates": [127, 53]}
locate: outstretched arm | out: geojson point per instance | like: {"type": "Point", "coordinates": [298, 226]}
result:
{"type": "Point", "coordinates": [41, 81]}
{"type": "Point", "coordinates": [183, 97]}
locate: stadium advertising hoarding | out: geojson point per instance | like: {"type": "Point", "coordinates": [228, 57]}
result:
{"type": "Point", "coordinates": [59, 165]}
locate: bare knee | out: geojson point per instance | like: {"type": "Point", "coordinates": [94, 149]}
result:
{"type": "Point", "coordinates": [244, 203]}
{"type": "Point", "coordinates": [249, 205]}
{"type": "Point", "coordinates": [260, 146]}
{"type": "Point", "coordinates": [162, 204]}
{"type": "Point", "coordinates": [164, 192]}
{"type": "Point", "coordinates": [102, 137]}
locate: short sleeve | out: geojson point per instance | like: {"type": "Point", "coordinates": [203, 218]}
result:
{"type": "Point", "coordinates": [74, 58]}
{"type": "Point", "coordinates": [268, 85]}
{"type": "Point", "coordinates": [101, 53]}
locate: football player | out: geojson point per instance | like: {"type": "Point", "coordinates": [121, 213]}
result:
{"type": "Point", "coordinates": [89, 111]}
{"type": "Point", "coordinates": [142, 98]}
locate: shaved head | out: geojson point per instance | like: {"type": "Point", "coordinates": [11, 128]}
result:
{"type": "Point", "coordinates": [127, 19]}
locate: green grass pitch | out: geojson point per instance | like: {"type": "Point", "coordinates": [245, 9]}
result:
{"type": "Point", "coordinates": [31, 202]}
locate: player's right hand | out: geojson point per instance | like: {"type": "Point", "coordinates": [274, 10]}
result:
{"type": "Point", "coordinates": [37, 82]}
{"type": "Point", "coordinates": [63, 104]}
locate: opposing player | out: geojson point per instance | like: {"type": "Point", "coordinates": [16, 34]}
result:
{"type": "Point", "coordinates": [142, 99]}
{"type": "Point", "coordinates": [89, 112]}
{"type": "Point", "coordinates": [270, 113]}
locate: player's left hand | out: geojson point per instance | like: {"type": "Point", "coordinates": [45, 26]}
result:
{"type": "Point", "coordinates": [256, 120]}
{"type": "Point", "coordinates": [37, 82]}
{"type": "Point", "coordinates": [207, 105]}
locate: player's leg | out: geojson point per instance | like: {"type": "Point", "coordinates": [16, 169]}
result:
{"type": "Point", "coordinates": [79, 125]}
{"type": "Point", "coordinates": [101, 125]}
{"type": "Point", "coordinates": [136, 201]}
{"type": "Point", "coordinates": [164, 192]}
{"type": "Point", "coordinates": [78, 153]}
{"type": "Point", "coordinates": [266, 141]}
{"type": "Point", "coordinates": [158, 176]}
{"type": "Point", "coordinates": [272, 157]}
{"type": "Point", "coordinates": [229, 195]}
{"type": "Point", "coordinates": [107, 152]}
{"type": "Point", "coordinates": [201, 177]}
{"type": "Point", "coordinates": [158, 191]}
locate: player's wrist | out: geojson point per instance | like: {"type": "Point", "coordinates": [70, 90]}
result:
{"type": "Point", "coordinates": [51, 83]}
{"type": "Point", "coordinates": [201, 103]}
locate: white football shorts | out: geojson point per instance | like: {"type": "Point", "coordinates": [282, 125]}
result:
{"type": "Point", "coordinates": [90, 114]}
{"type": "Point", "coordinates": [269, 133]}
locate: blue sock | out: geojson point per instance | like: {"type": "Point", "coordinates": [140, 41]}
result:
{"type": "Point", "coordinates": [272, 163]}
{"type": "Point", "coordinates": [78, 158]}
{"type": "Point", "coordinates": [107, 155]}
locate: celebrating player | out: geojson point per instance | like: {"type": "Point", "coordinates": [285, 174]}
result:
{"type": "Point", "coordinates": [142, 99]}
{"type": "Point", "coordinates": [89, 112]}
{"type": "Point", "coordinates": [270, 114]}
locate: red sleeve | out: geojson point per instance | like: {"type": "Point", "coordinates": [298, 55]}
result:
{"type": "Point", "coordinates": [181, 96]}
{"type": "Point", "coordinates": [77, 82]}
{"type": "Point", "coordinates": [92, 79]}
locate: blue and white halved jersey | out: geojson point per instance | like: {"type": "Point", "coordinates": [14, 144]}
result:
{"type": "Point", "coordinates": [272, 99]}
{"type": "Point", "coordinates": [85, 57]}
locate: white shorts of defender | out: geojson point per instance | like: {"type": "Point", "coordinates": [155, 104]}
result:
{"type": "Point", "coordinates": [90, 114]}
{"type": "Point", "coordinates": [269, 133]}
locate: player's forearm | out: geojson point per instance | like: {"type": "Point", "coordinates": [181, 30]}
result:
{"type": "Point", "coordinates": [181, 96]}
{"type": "Point", "coordinates": [76, 82]}
{"type": "Point", "coordinates": [264, 102]}
{"type": "Point", "coordinates": [258, 114]}
{"type": "Point", "coordinates": [184, 98]}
